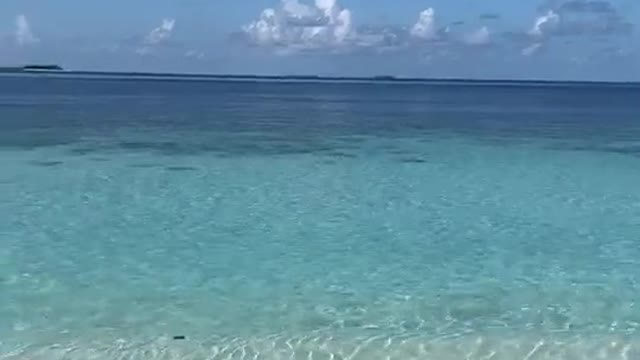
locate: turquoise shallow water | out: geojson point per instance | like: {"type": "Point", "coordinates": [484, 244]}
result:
{"type": "Point", "coordinates": [127, 223]}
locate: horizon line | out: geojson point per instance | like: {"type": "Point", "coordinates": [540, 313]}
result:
{"type": "Point", "coordinates": [33, 70]}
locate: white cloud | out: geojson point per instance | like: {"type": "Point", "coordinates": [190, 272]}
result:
{"type": "Point", "coordinates": [297, 9]}
{"type": "Point", "coordinates": [545, 24]}
{"type": "Point", "coordinates": [161, 33]}
{"type": "Point", "coordinates": [267, 29]}
{"type": "Point", "coordinates": [582, 18]}
{"type": "Point", "coordinates": [156, 37]}
{"type": "Point", "coordinates": [479, 37]}
{"type": "Point", "coordinates": [299, 26]}
{"type": "Point", "coordinates": [344, 25]}
{"type": "Point", "coordinates": [324, 25]}
{"type": "Point", "coordinates": [575, 18]}
{"type": "Point", "coordinates": [425, 28]}
{"type": "Point", "coordinates": [23, 34]}
{"type": "Point", "coordinates": [194, 54]}
{"type": "Point", "coordinates": [326, 4]}
{"type": "Point", "coordinates": [143, 51]}
{"type": "Point", "coordinates": [531, 49]}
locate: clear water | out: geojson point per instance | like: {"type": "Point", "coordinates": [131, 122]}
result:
{"type": "Point", "coordinates": [318, 221]}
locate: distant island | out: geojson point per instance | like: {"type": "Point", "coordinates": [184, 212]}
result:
{"type": "Point", "coordinates": [42, 68]}
{"type": "Point", "coordinates": [30, 68]}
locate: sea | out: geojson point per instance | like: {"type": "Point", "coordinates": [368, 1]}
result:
{"type": "Point", "coordinates": [176, 219]}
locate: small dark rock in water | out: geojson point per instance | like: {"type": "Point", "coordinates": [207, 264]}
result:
{"type": "Point", "coordinates": [340, 154]}
{"type": "Point", "coordinates": [47, 163]}
{"type": "Point", "coordinates": [179, 337]}
{"type": "Point", "coordinates": [180, 168]}
{"type": "Point", "coordinates": [413, 161]}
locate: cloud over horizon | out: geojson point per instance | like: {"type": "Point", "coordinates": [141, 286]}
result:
{"type": "Point", "coordinates": [425, 28]}
{"type": "Point", "coordinates": [545, 24]}
{"type": "Point", "coordinates": [586, 20]}
{"type": "Point", "coordinates": [581, 18]}
{"type": "Point", "coordinates": [479, 37]}
{"type": "Point", "coordinates": [157, 37]}
{"type": "Point", "coordinates": [295, 26]}
{"type": "Point", "coordinates": [23, 34]}
{"type": "Point", "coordinates": [161, 33]}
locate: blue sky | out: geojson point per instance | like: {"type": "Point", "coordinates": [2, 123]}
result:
{"type": "Point", "coordinates": [548, 39]}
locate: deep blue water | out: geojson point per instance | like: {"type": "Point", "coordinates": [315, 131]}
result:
{"type": "Point", "coordinates": [266, 220]}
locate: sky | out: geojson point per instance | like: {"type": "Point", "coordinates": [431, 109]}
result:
{"type": "Point", "coordinates": [506, 39]}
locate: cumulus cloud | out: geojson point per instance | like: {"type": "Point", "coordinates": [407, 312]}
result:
{"type": "Point", "coordinates": [581, 18]}
{"type": "Point", "coordinates": [325, 24]}
{"type": "Point", "coordinates": [571, 19]}
{"type": "Point", "coordinates": [545, 24]}
{"type": "Point", "coordinates": [299, 10]}
{"type": "Point", "coordinates": [23, 34]}
{"type": "Point", "coordinates": [161, 33]}
{"type": "Point", "coordinates": [383, 38]}
{"type": "Point", "coordinates": [425, 28]}
{"type": "Point", "coordinates": [531, 49]}
{"type": "Point", "coordinates": [479, 37]}
{"type": "Point", "coordinates": [156, 37]}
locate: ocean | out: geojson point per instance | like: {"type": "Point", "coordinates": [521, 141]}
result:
{"type": "Point", "coordinates": [151, 219]}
